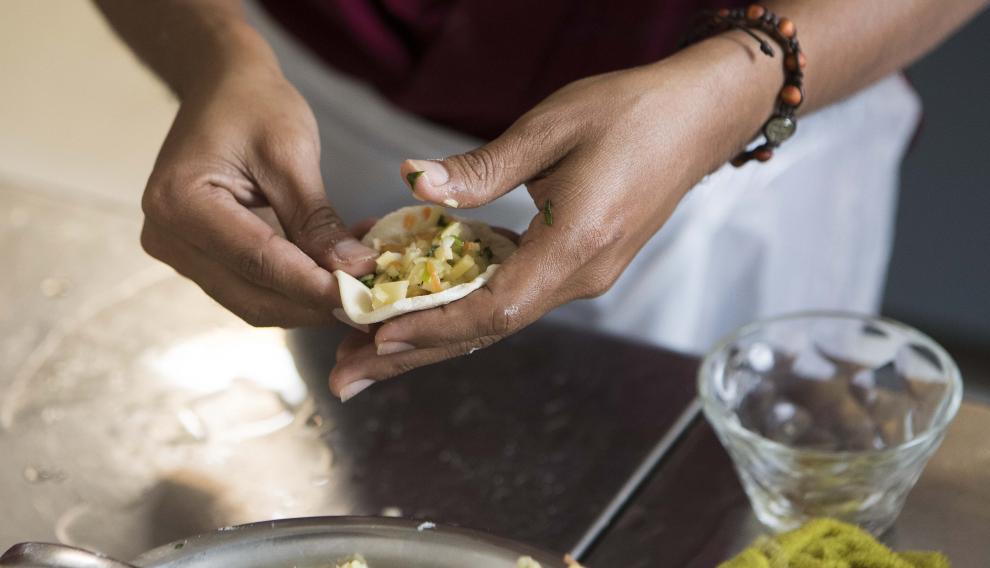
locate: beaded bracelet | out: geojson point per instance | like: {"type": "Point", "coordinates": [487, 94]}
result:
{"type": "Point", "coordinates": [781, 124]}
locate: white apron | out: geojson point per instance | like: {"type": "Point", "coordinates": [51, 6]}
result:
{"type": "Point", "coordinates": [810, 229]}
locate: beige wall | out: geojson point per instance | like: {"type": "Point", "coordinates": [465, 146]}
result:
{"type": "Point", "coordinates": [77, 111]}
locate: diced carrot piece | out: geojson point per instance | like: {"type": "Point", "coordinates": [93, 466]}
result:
{"type": "Point", "coordinates": [426, 213]}
{"type": "Point", "coordinates": [434, 279]}
{"type": "Point", "coordinates": [408, 221]}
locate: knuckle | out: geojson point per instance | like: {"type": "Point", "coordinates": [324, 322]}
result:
{"type": "Point", "coordinates": [598, 287]}
{"type": "Point", "coordinates": [597, 238]}
{"type": "Point", "coordinates": [289, 148]}
{"type": "Point", "coordinates": [504, 320]}
{"type": "Point", "coordinates": [154, 203]}
{"type": "Point", "coordinates": [479, 164]}
{"type": "Point", "coordinates": [541, 127]}
{"type": "Point", "coordinates": [600, 279]}
{"type": "Point", "coordinates": [254, 265]}
{"type": "Point", "coordinates": [150, 241]}
{"type": "Point", "coordinates": [316, 219]}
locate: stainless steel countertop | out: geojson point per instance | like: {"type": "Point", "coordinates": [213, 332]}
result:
{"type": "Point", "coordinates": [134, 411]}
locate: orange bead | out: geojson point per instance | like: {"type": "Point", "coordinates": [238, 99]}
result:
{"type": "Point", "coordinates": [792, 63]}
{"type": "Point", "coordinates": [723, 13]}
{"type": "Point", "coordinates": [786, 28]}
{"type": "Point", "coordinates": [763, 154]}
{"type": "Point", "coordinates": [755, 11]}
{"type": "Point", "coordinates": [791, 95]}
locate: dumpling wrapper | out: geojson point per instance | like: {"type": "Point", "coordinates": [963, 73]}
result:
{"type": "Point", "coordinates": [355, 297]}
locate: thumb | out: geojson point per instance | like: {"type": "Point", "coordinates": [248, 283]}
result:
{"type": "Point", "coordinates": [300, 202]}
{"type": "Point", "coordinates": [484, 174]}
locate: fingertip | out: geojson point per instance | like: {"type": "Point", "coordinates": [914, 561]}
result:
{"type": "Point", "coordinates": [352, 389]}
{"type": "Point", "coordinates": [356, 269]}
{"type": "Point", "coordinates": [426, 179]}
{"type": "Point", "coordinates": [353, 257]}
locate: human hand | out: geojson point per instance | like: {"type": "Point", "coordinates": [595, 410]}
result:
{"type": "Point", "coordinates": [606, 160]}
{"type": "Point", "coordinates": [249, 141]}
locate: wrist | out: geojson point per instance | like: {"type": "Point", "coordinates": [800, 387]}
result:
{"type": "Point", "coordinates": [734, 92]}
{"type": "Point", "coordinates": [234, 50]}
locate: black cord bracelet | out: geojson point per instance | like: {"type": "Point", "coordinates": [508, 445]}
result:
{"type": "Point", "coordinates": [782, 123]}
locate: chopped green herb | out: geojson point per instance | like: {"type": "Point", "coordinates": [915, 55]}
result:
{"type": "Point", "coordinates": [412, 177]}
{"type": "Point", "coordinates": [487, 253]}
{"type": "Point", "coordinates": [458, 246]}
{"type": "Point", "coordinates": [368, 280]}
{"type": "Point", "coordinates": [442, 221]}
{"type": "Point", "coordinates": [548, 213]}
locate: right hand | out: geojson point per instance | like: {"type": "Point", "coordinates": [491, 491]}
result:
{"type": "Point", "coordinates": [248, 141]}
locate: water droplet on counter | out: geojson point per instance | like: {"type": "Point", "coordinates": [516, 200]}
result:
{"type": "Point", "coordinates": [42, 474]}
{"type": "Point", "coordinates": [53, 287]}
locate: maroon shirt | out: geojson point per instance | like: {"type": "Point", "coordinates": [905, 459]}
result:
{"type": "Point", "coordinates": [477, 65]}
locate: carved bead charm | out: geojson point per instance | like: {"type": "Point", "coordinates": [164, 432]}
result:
{"type": "Point", "coordinates": [781, 126]}
{"type": "Point", "coordinates": [778, 129]}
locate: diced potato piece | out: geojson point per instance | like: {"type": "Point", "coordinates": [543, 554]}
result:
{"type": "Point", "coordinates": [444, 250]}
{"type": "Point", "coordinates": [452, 230]}
{"type": "Point", "coordinates": [462, 266]}
{"type": "Point", "coordinates": [415, 290]}
{"type": "Point", "coordinates": [471, 274]}
{"type": "Point", "coordinates": [388, 293]}
{"type": "Point", "coordinates": [387, 258]}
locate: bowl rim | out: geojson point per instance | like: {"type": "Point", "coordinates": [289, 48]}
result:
{"type": "Point", "coordinates": [712, 408]}
{"type": "Point", "coordinates": [297, 526]}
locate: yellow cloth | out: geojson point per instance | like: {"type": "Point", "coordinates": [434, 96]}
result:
{"type": "Point", "coordinates": [826, 543]}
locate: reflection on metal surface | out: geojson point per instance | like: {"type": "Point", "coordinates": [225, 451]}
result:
{"type": "Point", "coordinates": [153, 415]}
{"type": "Point", "coordinates": [214, 360]}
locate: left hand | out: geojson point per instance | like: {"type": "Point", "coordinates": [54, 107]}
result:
{"type": "Point", "coordinates": [613, 154]}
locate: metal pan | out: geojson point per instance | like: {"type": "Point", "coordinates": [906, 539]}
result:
{"type": "Point", "coordinates": [317, 542]}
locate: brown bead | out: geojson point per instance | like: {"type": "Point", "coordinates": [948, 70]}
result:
{"type": "Point", "coordinates": [722, 13]}
{"type": "Point", "coordinates": [790, 95]}
{"type": "Point", "coordinates": [786, 28]}
{"type": "Point", "coordinates": [755, 11]}
{"type": "Point", "coordinates": [793, 63]}
{"type": "Point", "coordinates": [763, 154]}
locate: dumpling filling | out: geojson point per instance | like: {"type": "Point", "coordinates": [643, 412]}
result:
{"type": "Point", "coordinates": [434, 253]}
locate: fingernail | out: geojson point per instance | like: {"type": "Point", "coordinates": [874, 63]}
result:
{"type": "Point", "coordinates": [342, 316]}
{"type": "Point", "coordinates": [451, 202]}
{"type": "Point", "coordinates": [352, 390]}
{"type": "Point", "coordinates": [436, 174]}
{"type": "Point", "coordinates": [350, 251]}
{"type": "Point", "coordinates": [390, 347]}
{"type": "Point", "coordinates": [412, 177]}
